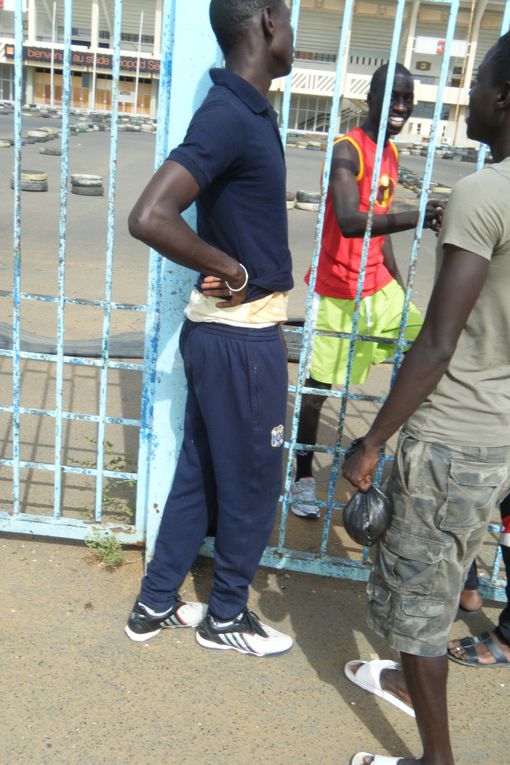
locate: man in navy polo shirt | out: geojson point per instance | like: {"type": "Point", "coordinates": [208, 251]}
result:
{"type": "Point", "coordinates": [231, 163]}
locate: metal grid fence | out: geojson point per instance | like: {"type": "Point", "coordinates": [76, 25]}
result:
{"type": "Point", "coordinates": [163, 312]}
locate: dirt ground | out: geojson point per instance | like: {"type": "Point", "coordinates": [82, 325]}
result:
{"type": "Point", "coordinates": [76, 691]}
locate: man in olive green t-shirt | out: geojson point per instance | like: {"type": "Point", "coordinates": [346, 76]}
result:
{"type": "Point", "coordinates": [452, 465]}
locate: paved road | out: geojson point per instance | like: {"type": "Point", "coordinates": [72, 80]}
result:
{"type": "Point", "coordinates": [445, 171]}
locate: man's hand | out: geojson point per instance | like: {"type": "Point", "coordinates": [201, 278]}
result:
{"type": "Point", "coordinates": [359, 466]}
{"type": "Point", "coordinates": [212, 286]}
{"type": "Point", "coordinates": [434, 214]}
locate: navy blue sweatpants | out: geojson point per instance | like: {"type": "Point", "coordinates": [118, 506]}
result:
{"type": "Point", "coordinates": [229, 470]}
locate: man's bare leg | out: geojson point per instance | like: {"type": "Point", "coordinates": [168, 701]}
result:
{"type": "Point", "coordinates": [426, 678]}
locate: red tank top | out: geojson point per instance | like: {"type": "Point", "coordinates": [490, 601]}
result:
{"type": "Point", "coordinates": [340, 258]}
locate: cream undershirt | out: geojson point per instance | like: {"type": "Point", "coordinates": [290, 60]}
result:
{"type": "Point", "coordinates": [264, 312]}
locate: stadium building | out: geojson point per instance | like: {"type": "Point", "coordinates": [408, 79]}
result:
{"type": "Point", "coordinates": [421, 48]}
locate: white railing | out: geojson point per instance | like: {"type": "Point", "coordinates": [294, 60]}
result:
{"type": "Point", "coordinates": [319, 82]}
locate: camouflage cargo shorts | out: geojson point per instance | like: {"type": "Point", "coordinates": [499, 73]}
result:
{"type": "Point", "coordinates": [442, 497]}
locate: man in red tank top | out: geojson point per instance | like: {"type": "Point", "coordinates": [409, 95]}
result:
{"type": "Point", "coordinates": [345, 221]}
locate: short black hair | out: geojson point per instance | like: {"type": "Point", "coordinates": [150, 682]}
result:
{"type": "Point", "coordinates": [500, 60]}
{"type": "Point", "coordinates": [380, 75]}
{"type": "Point", "coordinates": [230, 18]}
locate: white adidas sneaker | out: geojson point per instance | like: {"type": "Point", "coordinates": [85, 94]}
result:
{"type": "Point", "coordinates": [245, 634]}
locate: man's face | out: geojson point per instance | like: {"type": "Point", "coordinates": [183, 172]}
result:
{"type": "Point", "coordinates": [283, 43]}
{"type": "Point", "coordinates": [482, 118]}
{"type": "Point", "coordinates": [401, 105]}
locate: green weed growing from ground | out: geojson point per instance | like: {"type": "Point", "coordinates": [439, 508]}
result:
{"type": "Point", "coordinates": [106, 549]}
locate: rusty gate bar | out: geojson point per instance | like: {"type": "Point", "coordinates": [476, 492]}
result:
{"type": "Point", "coordinates": [64, 177]}
{"type": "Point", "coordinates": [110, 243]}
{"type": "Point", "coordinates": [16, 367]}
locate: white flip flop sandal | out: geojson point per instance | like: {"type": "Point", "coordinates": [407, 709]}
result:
{"type": "Point", "coordinates": [368, 677]}
{"type": "Point", "coordinates": [379, 759]}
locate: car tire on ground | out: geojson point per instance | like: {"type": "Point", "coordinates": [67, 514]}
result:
{"type": "Point", "coordinates": [87, 191]}
{"type": "Point", "coordinates": [39, 135]}
{"type": "Point", "coordinates": [310, 206]}
{"type": "Point", "coordinates": [308, 200]}
{"type": "Point", "coordinates": [313, 197]}
{"type": "Point", "coordinates": [85, 179]}
{"type": "Point", "coordinates": [53, 151]}
{"type": "Point", "coordinates": [32, 185]}
{"type": "Point", "coordinates": [34, 175]}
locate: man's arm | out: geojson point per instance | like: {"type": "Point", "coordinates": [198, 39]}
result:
{"type": "Point", "coordinates": [456, 291]}
{"type": "Point", "coordinates": [344, 189]}
{"type": "Point", "coordinates": [390, 262]}
{"type": "Point", "coordinates": [156, 220]}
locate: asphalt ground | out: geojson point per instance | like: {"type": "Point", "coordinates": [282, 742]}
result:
{"type": "Point", "coordinates": [86, 245]}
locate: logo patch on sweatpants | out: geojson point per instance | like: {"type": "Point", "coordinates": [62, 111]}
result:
{"type": "Point", "coordinates": [277, 436]}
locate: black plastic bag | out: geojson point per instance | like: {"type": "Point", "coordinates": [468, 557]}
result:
{"type": "Point", "coordinates": [367, 514]}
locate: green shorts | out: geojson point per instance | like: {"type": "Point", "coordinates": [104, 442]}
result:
{"type": "Point", "coordinates": [442, 499]}
{"type": "Point", "coordinates": [380, 316]}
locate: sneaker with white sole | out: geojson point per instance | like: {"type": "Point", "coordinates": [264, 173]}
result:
{"type": "Point", "coordinates": [245, 634]}
{"type": "Point", "coordinates": [303, 501]}
{"type": "Point", "coordinates": [144, 623]}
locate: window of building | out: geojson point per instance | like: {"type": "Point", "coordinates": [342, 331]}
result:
{"type": "Point", "coordinates": [133, 37]}
{"type": "Point", "coordinates": [310, 114]}
{"type": "Point", "coordinates": [306, 55]}
{"type": "Point", "coordinates": [426, 111]}
{"type": "Point", "coordinates": [6, 82]}
{"type": "Point", "coordinates": [359, 60]}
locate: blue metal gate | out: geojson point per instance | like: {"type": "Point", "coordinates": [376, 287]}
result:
{"type": "Point", "coordinates": [188, 50]}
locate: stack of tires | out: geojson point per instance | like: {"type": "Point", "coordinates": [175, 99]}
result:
{"type": "Point", "coordinates": [32, 180]}
{"type": "Point", "coordinates": [87, 185]}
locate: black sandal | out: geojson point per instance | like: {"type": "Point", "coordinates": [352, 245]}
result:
{"type": "Point", "coordinates": [468, 644]}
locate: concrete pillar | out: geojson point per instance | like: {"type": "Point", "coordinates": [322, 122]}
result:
{"type": "Point", "coordinates": [411, 34]}
{"type": "Point", "coordinates": [459, 115]}
{"type": "Point", "coordinates": [94, 25]}
{"type": "Point", "coordinates": [29, 84]}
{"type": "Point", "coordinates": [94, 45]}
{"type": "Point", "coordinates": [278, 99]}
{"type": "Point", "coordinates": [473, 43]}
{"type": "Point", "coordinates": [32, 21]}
{"type": "Point", "coordinates": [154, 98]}
{"type": "Point", "coordinates": [158, 20]}
{"type": "Point", "coordinates": [195, 51]}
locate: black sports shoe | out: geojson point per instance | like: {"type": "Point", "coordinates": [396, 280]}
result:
{"type": "Point", "coordinates": [245, 634]}
{"type": "Point", "coordinates": [144, 623]}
